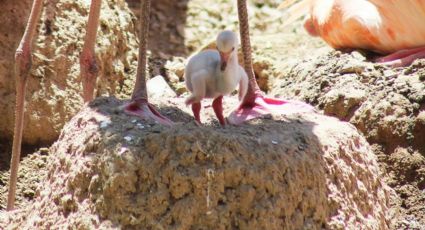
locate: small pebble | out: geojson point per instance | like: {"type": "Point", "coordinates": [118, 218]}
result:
{"type": "Point", "coordinates": [104, 124]}
{"type": "Point", "coordinates": [274, 142]}
{"type": "Point", "coordinates": [128, 138]}
{"type": "Point", "coordinates": [122, 151]}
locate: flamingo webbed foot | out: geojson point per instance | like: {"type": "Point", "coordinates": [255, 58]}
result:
{"type": "Point", "coordinates": [264, 106]}
{"type": "Point", "coordinates": [142, 108]}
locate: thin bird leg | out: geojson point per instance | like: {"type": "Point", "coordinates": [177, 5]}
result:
{"type": "Point", "coordinates": [402, 57]}
{"type": "Point", "coordinates": [23, 64]}
{"type": "Point", "coordinates": [88, 66]}
{"type": "Point", "coordinates": [253, 88]}
{"type": "Point", "coordinates": [139, 105]}
{"type": "Point", "coordinates": [218, 109]}
{"type": "Point", "coordinates": [196, 109]}
{"type": "Point", "coordinates": [255, 104]}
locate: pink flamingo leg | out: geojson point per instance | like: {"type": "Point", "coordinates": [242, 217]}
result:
{"type": "Point", "coordinates": [218, 109]}
{"type": "Point", "coordinates": [23, 65]}
{"type": "Point", "coordinates": [139, 105]}
{"type": "Point", "coordinates": [88, 66]}
{"type": "Point", "coordinates": [255, 104]}
{"type": "Point", "coordinates": [196, 109]}
{"type": "Point", "coordinates": [403, 57]}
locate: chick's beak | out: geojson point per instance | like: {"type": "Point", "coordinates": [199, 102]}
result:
{"type": "Point", "coordinates": [224, 57]}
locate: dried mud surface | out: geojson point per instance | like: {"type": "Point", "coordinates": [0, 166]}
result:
{"type": "Point", "coordinates": [304, 171]}
{"type": "Point", "coordinates": [386, 105]}
{"type": "Point", "coordinates": [54, 91]}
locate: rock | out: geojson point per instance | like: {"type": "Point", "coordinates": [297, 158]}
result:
{"type": "Point", "coordinates": [180, 88]}
{"type": "Point", "coordinates": [54, 91]}
{"type": "Point", "coordinates": [158, 88]}
{"type": "Point", "coordinates": [418, 130]}
{"type": "Point", "coordinates": [175, 69]}
{"type": "Point", "coordinates": [354, 66]}
{"type": "Point", "coordinates": [343, 101]}
{"type": "Point", "coordinates": [305, 171]}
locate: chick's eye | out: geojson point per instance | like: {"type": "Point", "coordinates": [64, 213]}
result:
{"type": "Point", "coordinates": [233, 48]}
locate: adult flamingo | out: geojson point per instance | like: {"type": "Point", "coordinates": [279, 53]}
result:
{"type": "Point", "coordinates": [392, 28]}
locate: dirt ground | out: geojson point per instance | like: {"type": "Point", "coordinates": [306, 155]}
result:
{"type": "Point", "coordinates": [296, 171]}
{"type": "Point", "coordinates": [54, 85]}
{"type": "Point", "coordinates": [385, 105]}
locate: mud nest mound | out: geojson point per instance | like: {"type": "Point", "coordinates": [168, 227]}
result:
{"type": "Point", "coordinates": [386, 104]}
{"type": "Point", "coordinates": [305, 171]}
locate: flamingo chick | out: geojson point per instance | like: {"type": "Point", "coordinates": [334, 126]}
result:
{"type": "Point", "coordinates": [214, 73]}
{"type": "Point", "coordinates": [386, 27]}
